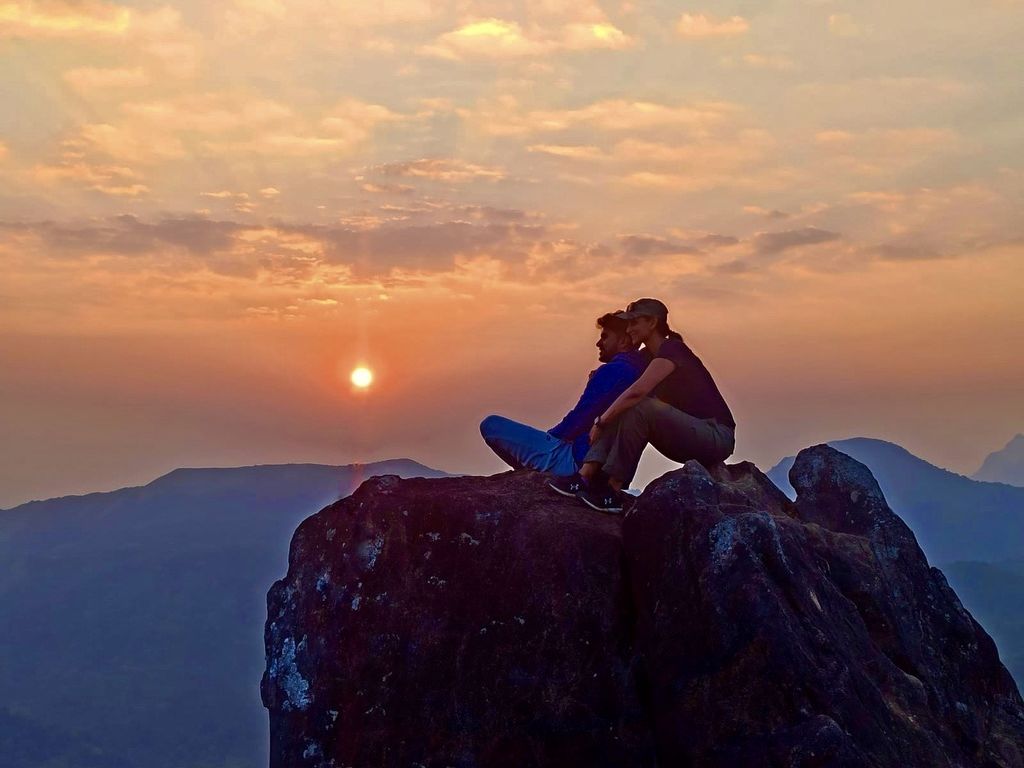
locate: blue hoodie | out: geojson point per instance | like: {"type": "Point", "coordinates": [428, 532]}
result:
{"type": "Point", "coordinates": [606, 383]}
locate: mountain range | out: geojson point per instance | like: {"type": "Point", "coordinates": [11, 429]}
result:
{"type": "Point", "coordinates": [131, 622]}
{"type": "Point", "coordinates": [1005, 465]}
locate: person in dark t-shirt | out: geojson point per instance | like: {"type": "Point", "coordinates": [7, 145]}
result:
{"type": "Point", "coordinates": [675, 406]}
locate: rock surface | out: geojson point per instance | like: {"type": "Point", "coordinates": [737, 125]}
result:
{"type": "Point", "coordinates": [488, 622]}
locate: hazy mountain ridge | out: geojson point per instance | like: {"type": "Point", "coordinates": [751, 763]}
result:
{"type": "Point", "coordinates": [994, 593]}
{"type": "Point", "coordinates": [1005, 465]}
{"type": "Point", "coordinates": [135, 616]}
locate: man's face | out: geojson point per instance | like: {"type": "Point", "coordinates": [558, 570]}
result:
{"type": "Point", "coordinates": [610, 344]}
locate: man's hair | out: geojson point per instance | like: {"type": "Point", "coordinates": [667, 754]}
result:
{"type": "Point", "coordinates": [612, 323]}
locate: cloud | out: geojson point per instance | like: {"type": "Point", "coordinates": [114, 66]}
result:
{"type": "Point", "coordinates": [733, 267]}
{"type": "Point", "coordinates": [766, 212]}
{"type": "Point", "coordinates": [161, 36]}
{"type": "Point", "coordinates": [700, 25]}
{"type": "Point", "coordinates": [486, 38]}
{"type": "Point", "coordinates": [240, 201]}
{"type": "Point", "coordinates": [86, 79]}
{"type": "Point", "coordinates": [960, 218]}
{"type": "Point", "coordinates": [157, 36]}
{"type": "Point", "coordinates": [705, 157]}
{"type": "Point", "coordinates": [494, 38]}
{"type": "Point", "coordinates": [128, 236]}
{"type": "Point", "coordinates": [501, 246]}
{"type": "Point", "coordinates": [4, 151]}
{"type": "Point", "coordinates": [209, 113]}
{"type": "Point", "coordinates": [429, 247]}
{"type": "Point", "coordinates": [492, 213]}
{"type": "Point", "coordinates": [885, 151]}
{"type": "Point", "coordinates": [844, 25]}
{"type": "Point", "coordinates": [243, 19]}
{"type": "Point", "coordinates": [585, 37]}
{"type": "Point", "coordinates": [715, 240]}
{"type": "Point", "coordinates": [110, 179]}
{"type": "Point", "coordinates": [701, 154]}
{"type": "Point", "coordinates": [269, 192]}
{"type": "Point", "coordinates": [243, 248]}
{"type": "Point", "coordinates": [892, 141]}
{"type": "Point", "coordinates": [575, 152]}
{"type": "Point", "coordinates": [218, 125]}
{"type": "Point", "coordinates": [906, 251]}
{"type": "Point", "coordinates": [126, 143]}
{"type": "Point", "coordinates": [225, 194]}
{"type": "Point", "coordinates": [30, 19]}
{"type": "Point", "coordinates": [728, 158]}
{"type": "Point", "coordinates": [448, 170]}
{"type": "Point", "coordinates": [272, 129]}
{"type": "Point", "coordinates": [647, 245]}
{"type": "Point", "coordinates": [772, 243]}
{"type": "Point", "coordinates": [506, 116]}
{"type": "Point", "coordinates": [881, 91]}
{"type": "Point", "coordinates": [776, 62]}
{"type": "Point", "coordinates": [387, 189]}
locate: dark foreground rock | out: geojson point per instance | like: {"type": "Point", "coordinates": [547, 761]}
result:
{"type": "Point", "coordinates": [487, 622]}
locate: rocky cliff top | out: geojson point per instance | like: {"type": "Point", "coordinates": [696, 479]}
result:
{"type": "Point", "coordinates": [488, 622]}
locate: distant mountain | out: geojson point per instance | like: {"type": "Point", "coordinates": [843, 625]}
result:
{"type": "Point", "coordinates": [1006, 465]}
{"type": "Point", "coordinates": [24, 742]}
{"type": "Point", "coordinates": [954, 517]}
{"type": "Point", "coordinates": [131, 622]}
{"type": "Point", "coordinates": [994, 594]}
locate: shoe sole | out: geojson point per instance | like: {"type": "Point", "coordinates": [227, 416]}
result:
{"type": "Point", "coordinates": [571, 495]}
{"type": "Point", "coordinates": [606, 510]}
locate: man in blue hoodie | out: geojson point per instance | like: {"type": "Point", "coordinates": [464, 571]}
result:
{"type": "Point", "coordinates": [561, 449]}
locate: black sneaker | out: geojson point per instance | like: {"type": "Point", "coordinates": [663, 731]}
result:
{"type": "Point", "coordinates": [568, 485]}
{"type": "Point", "coordinates": [604, 499]}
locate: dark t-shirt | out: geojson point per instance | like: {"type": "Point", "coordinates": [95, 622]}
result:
{"type": "Point", "coordinates": [690, 387]}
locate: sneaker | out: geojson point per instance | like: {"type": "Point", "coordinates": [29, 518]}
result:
{"type": "Point", "coordinates": [568, 485]}
{"type": "Point", "coordinates": [604, 499]}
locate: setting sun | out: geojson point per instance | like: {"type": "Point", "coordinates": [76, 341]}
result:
{"type": "Point", "coordinates": [362, 377]}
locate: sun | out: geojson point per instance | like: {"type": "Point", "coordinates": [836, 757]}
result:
{"type": "Point", "coordinates": [362, 377]}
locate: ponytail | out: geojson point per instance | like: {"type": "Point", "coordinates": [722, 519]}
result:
{"type": "Point", "coordinates": [664, 330]}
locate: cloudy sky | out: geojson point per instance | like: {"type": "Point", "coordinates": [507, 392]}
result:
{"type": "Point", "coordinates": [210, 212]}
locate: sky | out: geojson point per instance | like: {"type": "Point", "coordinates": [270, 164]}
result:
{"type": "Point", "coordinates": [210, 213]}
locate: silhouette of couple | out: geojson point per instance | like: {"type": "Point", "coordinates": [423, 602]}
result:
{"type": "Point", "coordinates": [659, 394]}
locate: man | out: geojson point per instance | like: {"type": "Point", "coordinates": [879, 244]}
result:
{"type": "Point", "coordinates": [561, 449]}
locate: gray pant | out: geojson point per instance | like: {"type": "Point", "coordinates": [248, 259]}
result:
{"type": "Point", "coordinates": [674, 433]}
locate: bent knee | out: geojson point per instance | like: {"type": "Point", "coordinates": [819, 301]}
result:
{"type": "Point", "coordinates": [644, 413]}
{"type": "Point", "coordinates": [491, 425]}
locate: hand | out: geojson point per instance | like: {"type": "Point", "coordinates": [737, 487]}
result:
{"type": "Point", "coordinates": [595, 434]}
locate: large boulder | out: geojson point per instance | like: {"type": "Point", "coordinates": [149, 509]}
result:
{"type": "Point", "coordinates": [488, 622]}
{"type": "Point", "coordinates": [806, 634]}
{"type": "Point", "coordinates": [457, 622]}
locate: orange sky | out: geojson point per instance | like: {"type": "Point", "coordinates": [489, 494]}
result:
{"type": "Point", "coordinates": [209, 213]}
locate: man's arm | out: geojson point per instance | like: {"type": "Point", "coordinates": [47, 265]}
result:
{"type": "Point", "coordinates": [607, 383]}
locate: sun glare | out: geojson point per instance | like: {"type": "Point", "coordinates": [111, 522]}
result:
{"type": "Point", "coordinates": [362, 377]}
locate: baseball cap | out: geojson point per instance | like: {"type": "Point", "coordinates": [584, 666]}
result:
{"type": "Point", "coordinates": [644, 308]}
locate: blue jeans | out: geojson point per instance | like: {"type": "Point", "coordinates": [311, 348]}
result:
{"type": "Point", "coordinates": [523, 447]}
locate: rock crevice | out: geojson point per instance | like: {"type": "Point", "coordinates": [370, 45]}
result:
{"type": "Point", "coordinates": [486, 622]}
